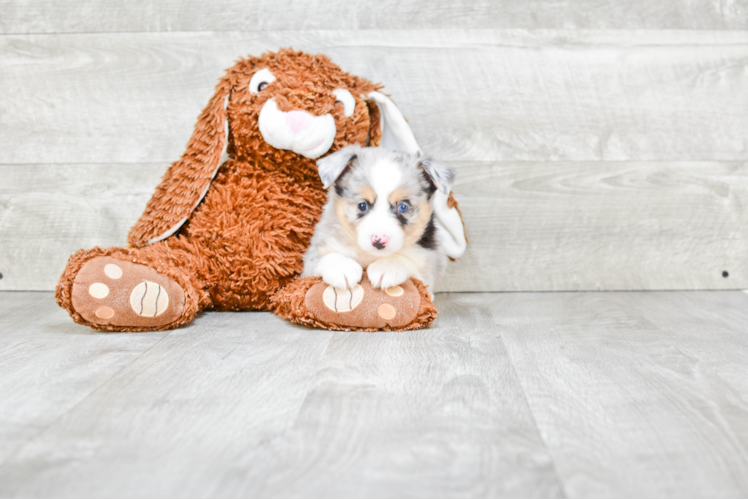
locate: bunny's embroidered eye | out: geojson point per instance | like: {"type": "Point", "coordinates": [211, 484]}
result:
{"type": "Point", "coordinates": [402, 208]}
{"type": "Point", "coordinates": [260, 80]}
{"type": "Point", "coordinates": [344, 97]}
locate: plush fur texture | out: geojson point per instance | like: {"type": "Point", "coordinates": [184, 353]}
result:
{"type": "Point", "coordinates": [233, 234]}
{"type": "Point", "coordinates": [303, 82]}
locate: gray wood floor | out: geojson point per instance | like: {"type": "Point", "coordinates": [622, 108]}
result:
{"type": "Point", "coordinates": [511, 394]}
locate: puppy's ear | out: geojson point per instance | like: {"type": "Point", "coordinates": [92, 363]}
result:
{"type": "Point", "coordinates": [441, 175]}
{"type": "Point", "coordinates": [330, 167]}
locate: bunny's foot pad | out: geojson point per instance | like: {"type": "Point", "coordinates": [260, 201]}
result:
{"type": "Point", "coordinates": [309, 301]}
{"type": "Point", "coordinates": [109, 293]}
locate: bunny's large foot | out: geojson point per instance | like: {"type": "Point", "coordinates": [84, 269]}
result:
{"type": "Point", "coordinates": [109, 291]}
{"type": "Point", "coordinates": [310, 301]}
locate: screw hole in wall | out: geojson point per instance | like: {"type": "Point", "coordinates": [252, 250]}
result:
{"type": "Point", "coordinates": [725, 274]}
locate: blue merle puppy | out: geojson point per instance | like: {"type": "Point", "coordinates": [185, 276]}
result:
{"type": "Point", "coordinates": [379, 216]}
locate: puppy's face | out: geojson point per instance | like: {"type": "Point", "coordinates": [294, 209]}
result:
{"type": "Point", "coordinates": [382, 198]}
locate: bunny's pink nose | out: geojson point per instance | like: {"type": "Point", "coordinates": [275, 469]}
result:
{"type": "Point", "coordinates": [379, 241]}
{"type": "Point", "coordinates": [298, 120]}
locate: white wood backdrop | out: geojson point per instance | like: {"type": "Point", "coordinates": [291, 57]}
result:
{"type": "Point", "coordinates": [97, 16]}
{"type": "Point", "coordinates": [598, 144]}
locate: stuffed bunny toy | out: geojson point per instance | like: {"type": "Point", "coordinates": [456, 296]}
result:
{"type": "Point", "coordinates": [227, 226]}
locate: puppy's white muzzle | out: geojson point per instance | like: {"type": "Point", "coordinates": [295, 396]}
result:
{"type": "Point", "coordinates": [379, 234]}
{"type": "Point", "coordinates": [298, 131]}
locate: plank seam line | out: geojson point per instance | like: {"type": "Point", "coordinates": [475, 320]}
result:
{"type": "Point", "coordinates": [532, 417]}
{"type": "Point", "coordinates": [458, 163]}
{"type": "Point", "coordinates": [20, 448]}
{"type": "Point", "coordinates": [593, 31]}
{"type": "Point", "coordinates": [87, 163]}
{"type": "Point", "coordinates": [736, 288]}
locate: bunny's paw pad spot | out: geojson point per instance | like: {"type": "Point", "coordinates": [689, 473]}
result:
{"type": "Point", "coordinates": [149, 299]}
{"type": "Point", "coordinates": [341, 300]}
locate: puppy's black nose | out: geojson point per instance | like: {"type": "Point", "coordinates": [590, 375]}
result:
{"type": "Point", "coordinates": [379, 242]}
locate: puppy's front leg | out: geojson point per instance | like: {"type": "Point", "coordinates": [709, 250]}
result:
{"type": "Point", "coordinates": [339, 271]}
{"type": "Point", "coordinates": [391, 271]}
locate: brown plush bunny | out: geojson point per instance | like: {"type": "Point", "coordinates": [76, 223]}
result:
{"type": "Point", "coordinates": [229, 233]}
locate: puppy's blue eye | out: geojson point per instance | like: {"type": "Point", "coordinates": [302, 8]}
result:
{"type": "Point", "coordinates": [363, 206]}
{"type": "Point", "coordinates": [402, 208]}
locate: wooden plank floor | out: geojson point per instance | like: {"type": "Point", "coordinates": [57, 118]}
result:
{"type": "Point", "coordinates": [604, 394]}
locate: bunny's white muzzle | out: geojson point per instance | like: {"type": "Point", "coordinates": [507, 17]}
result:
{"type": "Point", "coordinates": [298, 131]}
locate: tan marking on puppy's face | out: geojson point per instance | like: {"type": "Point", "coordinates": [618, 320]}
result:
{"type": "Point", "coordinates": [415, 230]}
{"type": "Point", "coordinates": [398, 195]}
{"type": "Point", "coordinates": [342, 211]}
{"type": "Point", "coordinates": [367, 194]}
{"type": "Point", "coordinates": [418, 205]}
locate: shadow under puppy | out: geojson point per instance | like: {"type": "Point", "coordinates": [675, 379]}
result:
{"type": "Point", "coordinates": [379, 216]}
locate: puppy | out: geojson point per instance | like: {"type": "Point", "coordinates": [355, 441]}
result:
{"type": "Point", "coordinates": [379, 216]}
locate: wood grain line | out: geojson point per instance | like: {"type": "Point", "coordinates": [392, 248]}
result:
{"type": "Point", "coordinates": [469, 95]}
{"type": "Point", "coordinates": [532, 226]}
{"type": "Point", "coordinates": [90, 16]}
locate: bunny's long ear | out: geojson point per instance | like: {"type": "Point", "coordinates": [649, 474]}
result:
{"type": "Point", "coordinates": [450, 224]}
{"type": "Point", "coordinates": [187, 180]}
{"type": "Point", "coordinates": [396, 134]}
{"type": "Point", "coordinates": [394, 130]}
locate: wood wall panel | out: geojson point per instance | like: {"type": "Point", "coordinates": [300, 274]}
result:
{"type": "Point", "coordinates": [532, 226]}
{"type": "Point", "coordinates": [96, 16]}
{"type": "Point", "coordinates": [49, 211]}
{"type": "Point", "coordinates": [469, 95]}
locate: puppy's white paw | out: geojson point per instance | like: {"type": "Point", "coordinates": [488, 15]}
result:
{"type": "Point", "coordinates": [386, 273]}
{"type": "Point", "coordinates": [339, 271]}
